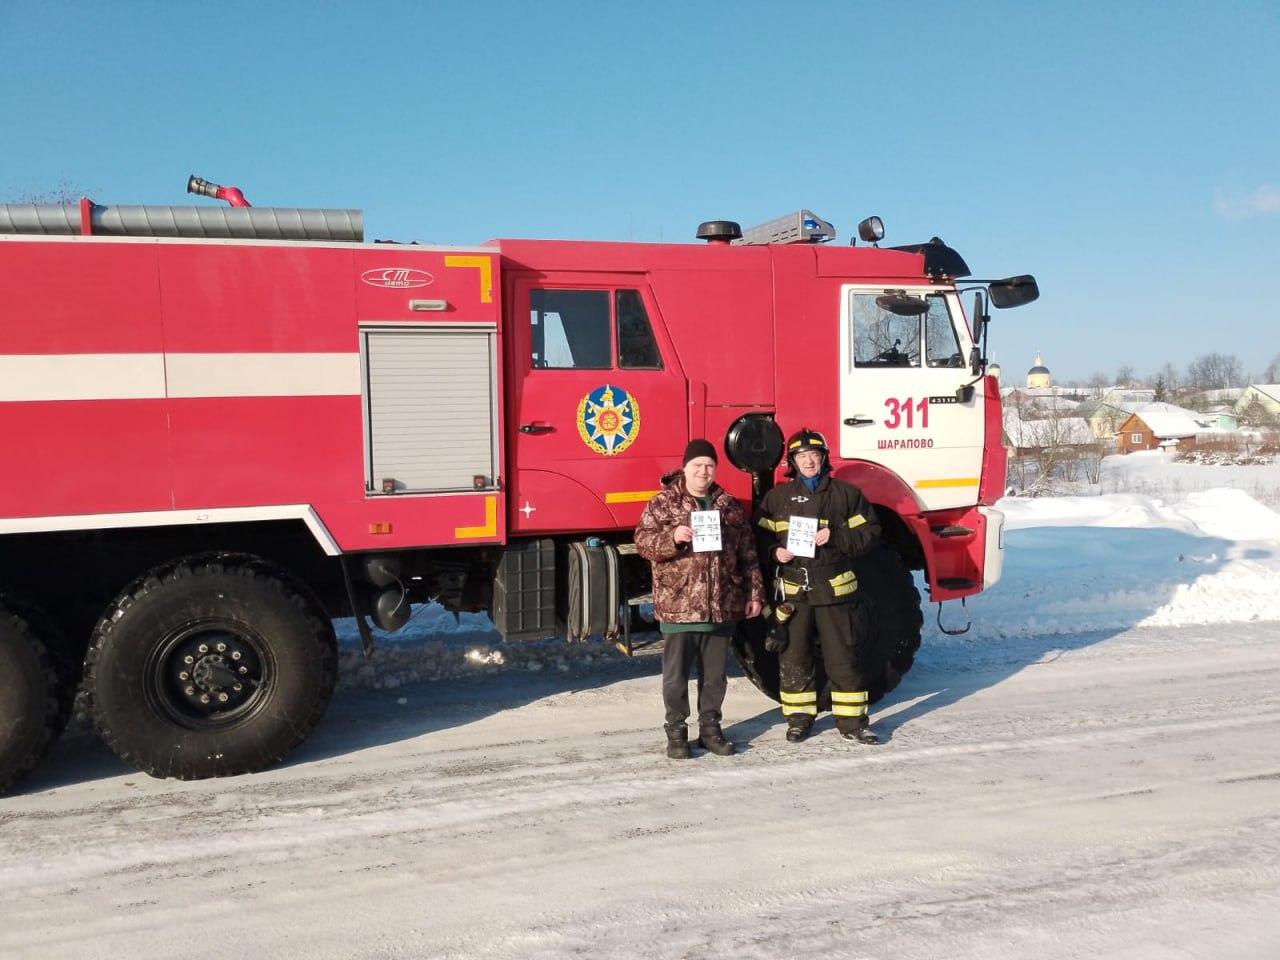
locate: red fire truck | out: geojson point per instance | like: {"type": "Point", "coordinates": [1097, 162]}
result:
{"type": "Point", "coordinates": [227, 425]}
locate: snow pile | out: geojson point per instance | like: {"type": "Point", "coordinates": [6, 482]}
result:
{"type": "Point", "coordinates": [1112, 562]}
{"type": "Point", "coordinates": [1162, 474]}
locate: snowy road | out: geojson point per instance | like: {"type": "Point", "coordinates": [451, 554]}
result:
{"type": "Point", "coordinates": [1108, 795]}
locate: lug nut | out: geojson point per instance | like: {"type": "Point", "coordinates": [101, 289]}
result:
{"type": "Point", "coordinates": [188, 659]}
{"type": "Point", "coordinates": [238, 686]}
{"type": "Point", "coordinates": [204, 698]}
{"type": "Point", "coordinates": [235, 654]}
{"type": "Point", "coordinates": [244, 669]}
{"type": "Point", "coordinates": [203, 648]}
{"type": "Point", "coordinates": [190, 691]}
{"type": "Point", "coordinates": [222, 698]}
{"type": "Point", "coordinates": [222, 648]}
{"type": "Point", "coordinates": [184, 675]}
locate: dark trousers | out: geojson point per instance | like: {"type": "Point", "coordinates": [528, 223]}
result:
{"type": "Point", "coordinates": [842, 636]}
{"type": "Point", "coordinates": [679, 651]}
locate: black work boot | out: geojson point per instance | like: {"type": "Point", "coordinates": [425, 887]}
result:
{"type": "Point", "coordinates": [711, 738]}
{"type": "Point", "coordinates": [798, 725]}
{"type": "Point", "coordinates": [857, 729]}
{"type": "Point", "coordinates": [677, 741]}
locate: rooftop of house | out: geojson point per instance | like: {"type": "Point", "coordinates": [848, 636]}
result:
{"type": "Point", "coordinates": [1169, 423]}
{"type": "Point", "coordinates": [1053, 432]}
{"type": "Point", "coordinates": [1272, 390]}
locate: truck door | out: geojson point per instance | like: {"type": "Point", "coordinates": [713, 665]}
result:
{"type": "Point", "coordinates": [599, 406]}
{"type": "Point", "coordinates": [898, 401]}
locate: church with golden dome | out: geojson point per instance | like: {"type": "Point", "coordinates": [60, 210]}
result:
{"type": "Point", "coordinates": [1038, 377]}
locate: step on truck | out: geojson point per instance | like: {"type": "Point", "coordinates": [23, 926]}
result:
{"type": "Point", "coordinates": [227, 425]}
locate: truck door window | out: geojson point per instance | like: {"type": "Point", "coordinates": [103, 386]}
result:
{"type": "Point", "coordinates": [637, 349]}
{"type": "Point", "coordinates": [880, 338]}
{"type": "Point", "coordinates": [942, 346]}
{"type": "Point", "coordinates": [570, 329]}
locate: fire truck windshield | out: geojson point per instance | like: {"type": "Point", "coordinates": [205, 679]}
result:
{"type": "Point", "coordinates": [899, 330]}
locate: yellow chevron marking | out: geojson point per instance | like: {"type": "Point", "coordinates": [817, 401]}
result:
{"type": "Point", "coordinates": [490, 528]}
{"type": "Point", "coordinates": [484, 265]}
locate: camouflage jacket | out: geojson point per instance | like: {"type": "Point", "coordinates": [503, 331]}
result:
{"type": "Point", "coordinates": [693, 587]}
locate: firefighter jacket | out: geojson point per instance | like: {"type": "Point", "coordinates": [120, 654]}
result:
{"type": "Point", "coordinates": [839, 507]}
{"type": "Point", "coordinates": [693, 587]}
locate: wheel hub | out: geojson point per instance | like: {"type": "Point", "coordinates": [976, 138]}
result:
{"type": "Point", "coordinates": [210, 675]}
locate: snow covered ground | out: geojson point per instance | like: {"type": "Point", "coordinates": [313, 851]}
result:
{"type": "Point", "coordinates": [1093, 770]}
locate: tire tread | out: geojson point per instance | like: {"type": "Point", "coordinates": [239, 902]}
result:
{"type": "Point", "coordinates": [243, 565]}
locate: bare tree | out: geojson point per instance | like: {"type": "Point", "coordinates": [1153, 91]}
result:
{"type": "Point", "coordinates": [1172, 380]}
{"type": "Point", "coordinates": [1047, 449]}
{"type": "Point", "coordinates": [1125, 375]}
{"type": "Point", "coordinates": [1273, 370]}
{"type": "Point", "coordinates": [1215, 371]}
{"type": "Point", "coordinates": [1091, 458]}
{"type": "Point", "coordinates": [1099, 381]}
{"type": "Point", "coordinates": [1256, 414]}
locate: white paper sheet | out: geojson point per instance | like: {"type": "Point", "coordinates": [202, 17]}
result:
{"type": "Point", "coordinates": [800, 534]}
{"type": "Point", "coordinates": [706, 530]}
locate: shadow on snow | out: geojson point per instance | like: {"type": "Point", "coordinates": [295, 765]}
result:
{"type": "Point", "coordinates": [1065, 588]}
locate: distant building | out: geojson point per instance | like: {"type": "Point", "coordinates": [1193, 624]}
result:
{"type": "Point", "coordinates": [1263, 396]}
{"type": "Point", "coordinates": [1035, 402]}
{"type": "Point", "coordinates": [1038, 376]}
{"type": "Point", "coordinates": [1029, 437]}
{"type": "Point", "coordinates": [1219, 418]}
{"type": "Point", "coordinates": [1153, 429]}
{"type": "Point", "coordinates": [1120, 396]}
{"type": "Point", "coordinates": [1154, 425]}
{"type": "Point", "coordinates": [1108, 414]}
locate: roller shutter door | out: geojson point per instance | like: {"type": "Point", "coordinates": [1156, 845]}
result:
{"type": "Point", "coordinates": [429, 402]}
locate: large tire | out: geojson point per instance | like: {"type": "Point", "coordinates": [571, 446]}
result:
{"type": "Point", "coordinates": [210, 668]}
{"type": "Point", "coordinates": [35, 700]}
{"type": "Point", "coordinates": [891, 605]}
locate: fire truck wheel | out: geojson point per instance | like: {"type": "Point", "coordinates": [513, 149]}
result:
{"type": "Point", "coordinates": [209, 668]}
{"type": "Point", "coordinates": [35, 700]}
{"type": "Point", "coordinates": [894, 617]}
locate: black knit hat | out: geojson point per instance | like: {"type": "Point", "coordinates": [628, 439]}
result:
{"type": "Point", "coordinates": [699, 448]}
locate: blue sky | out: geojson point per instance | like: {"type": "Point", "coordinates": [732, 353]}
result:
{"type": "Point", "coordinates": [1128, 154]}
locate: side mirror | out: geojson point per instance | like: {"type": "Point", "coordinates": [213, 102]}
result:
{"type": "Point", "coordinates": [1013, 292]}
{"type": "Point", "coordinates": [902, 305]}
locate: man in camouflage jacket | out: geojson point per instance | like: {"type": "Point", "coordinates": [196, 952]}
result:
{"type": "Point", "coordinates": [698, 598]}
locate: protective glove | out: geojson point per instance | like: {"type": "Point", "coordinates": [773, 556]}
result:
{"type": "Point", "coordinates": [776, 639]}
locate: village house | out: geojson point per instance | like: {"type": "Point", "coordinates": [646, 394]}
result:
{"type": "Point", "coordinates": [1031, 437]}
{"type": "Point", "coordinates": [1262, 397]}
{"type": "Point", "coordinates": [1154, 429]}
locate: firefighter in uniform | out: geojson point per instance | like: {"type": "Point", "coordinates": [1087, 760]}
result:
{"type": "Point", "coordinates": [823, 589]}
